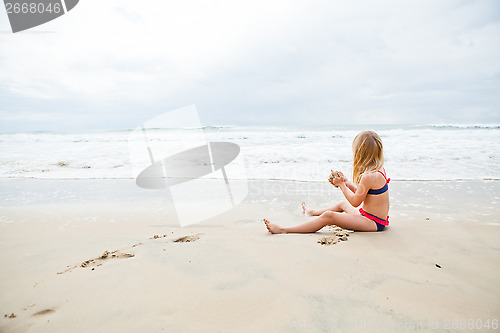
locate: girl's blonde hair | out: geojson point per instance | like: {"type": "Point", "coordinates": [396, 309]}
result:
{"type": "Point", "coordinates": [368, 154]}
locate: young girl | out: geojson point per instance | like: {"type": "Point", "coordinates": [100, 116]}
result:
{"type": "Point", "coordinates": [370, 188]}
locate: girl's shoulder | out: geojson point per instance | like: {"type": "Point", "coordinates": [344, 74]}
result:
{"type": "Point", "coordinates": [367, 178]}
{"type": "Point", "coordinates": [380, 171]}
{"type": "Point", "coordinates": [370, 176]}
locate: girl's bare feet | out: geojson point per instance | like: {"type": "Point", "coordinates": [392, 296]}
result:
{"type": "Point", "coordinates": [273, 228]}
{"type": "Point", "coordinates": [306, 210]}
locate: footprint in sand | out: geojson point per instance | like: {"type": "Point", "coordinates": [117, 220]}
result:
{"type": "Point", "coordinates": [43, 312]}
{"type": "Point", "coordinates": [187, 239]}
{"type": "Point", "coordinates": [117, 254]}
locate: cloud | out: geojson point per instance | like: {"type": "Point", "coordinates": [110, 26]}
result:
{"type": "Point", "coordinates": [259, 62]}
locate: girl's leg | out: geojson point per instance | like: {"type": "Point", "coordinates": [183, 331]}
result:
{"type": "Point", "coordinates": [340, 207]}
{"type": "Point", "coordinates": [345, 221]}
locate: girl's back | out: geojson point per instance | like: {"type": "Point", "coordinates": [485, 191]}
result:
{"type": "Point", "coordinates": [376, 203]}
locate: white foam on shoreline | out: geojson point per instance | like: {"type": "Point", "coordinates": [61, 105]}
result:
{"type": "Point", "coordinates": [432, 152]}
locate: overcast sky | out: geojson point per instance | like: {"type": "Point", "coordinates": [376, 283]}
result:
{"type": "Point", "coordinates": [112, 64]}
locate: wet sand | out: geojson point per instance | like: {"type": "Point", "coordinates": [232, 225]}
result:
{"type": "Point", "coordinates": [105, 256]}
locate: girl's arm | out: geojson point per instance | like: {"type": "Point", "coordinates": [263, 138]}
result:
{"type": "Point", "coordinates": [350, 185]}
{"type": "Point", "coordinates": [356, 197]}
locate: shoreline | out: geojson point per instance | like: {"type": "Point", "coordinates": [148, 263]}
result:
{"type": "Point", "coordinates": [449, 200]}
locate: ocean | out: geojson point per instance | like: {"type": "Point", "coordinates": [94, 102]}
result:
{"type": "Point", "coordinates": [412, 152]}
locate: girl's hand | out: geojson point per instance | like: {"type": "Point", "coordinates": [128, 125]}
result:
{"type": "Point", "coordinates": [338, 180]}
{"type": "Point", "coordinates": [344, 178]}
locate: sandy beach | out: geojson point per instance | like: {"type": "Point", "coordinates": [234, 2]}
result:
{"type": "Point", "coordinates": [107, 256]}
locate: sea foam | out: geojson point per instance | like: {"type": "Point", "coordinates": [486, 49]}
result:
{"type": "Point", "coordinates": [432, 152]}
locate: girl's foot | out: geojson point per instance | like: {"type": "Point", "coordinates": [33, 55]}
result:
{"type": "Point", "coordinates": [306, 210]}
{"type": "Point", "coordinates": [273, 228]}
